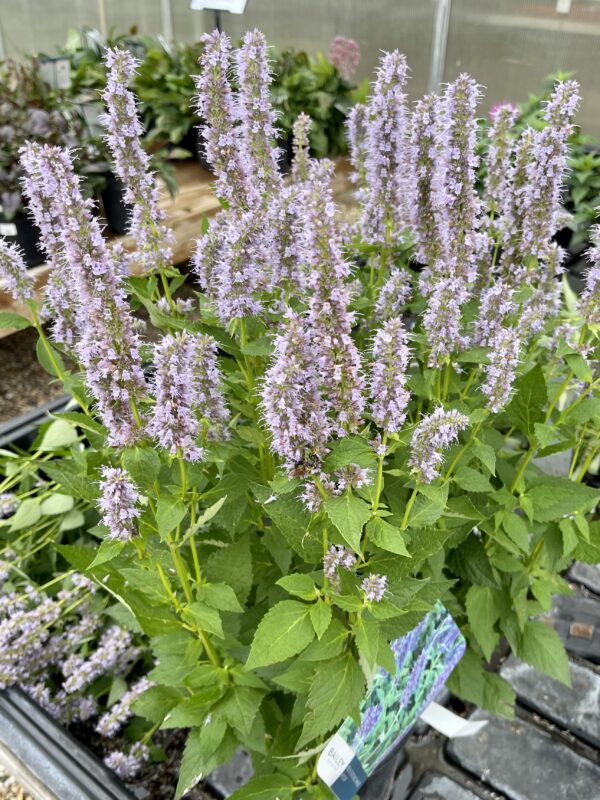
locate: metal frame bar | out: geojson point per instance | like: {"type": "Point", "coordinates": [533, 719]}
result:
{"type": "Point", "coordinates": [441, 27]}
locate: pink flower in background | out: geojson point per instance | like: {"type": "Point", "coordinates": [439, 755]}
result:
{"type": "Point", "coordinates": [344, 54]}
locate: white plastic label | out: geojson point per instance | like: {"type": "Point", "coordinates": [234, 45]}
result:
{"type": "Point", "coordinates": [8, 229]}
{"type": "Point", "coordinates": [563, 6]}
{"type": "Point", "coordinates": [233, 6]}
{"type": "Point", "coordinates": [450, 724]}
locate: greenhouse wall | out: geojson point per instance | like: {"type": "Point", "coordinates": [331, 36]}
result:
{"type": "Point", "coordinates": [510, 45]}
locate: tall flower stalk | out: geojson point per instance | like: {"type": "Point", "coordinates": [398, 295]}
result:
{"type": "Point", "coordinates": [152, 238]}
{"type": "Point", "coordinates": [108, 346]}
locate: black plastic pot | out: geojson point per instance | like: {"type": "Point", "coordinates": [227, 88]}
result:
{"type": "Point", "coordinates": [49, 757]}
{"type": "Point", "coordinates": [380, 785]}
{"type": "Point", "coordinates": [116, 210]}
{"type": "Point", "coordinates": [286, 154]}
{"type": "Point", "coordinates": [25, 235]}
{"type": "Point", "coordinates": [21, 431]}
{"type": "Point", "coordinates": [201, 151]}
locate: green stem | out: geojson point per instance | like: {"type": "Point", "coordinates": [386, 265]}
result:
{"type": "Point", "coordinates": [408, 509]}
{"type": "Point", "coordinates": [187, 590]}
{"type": "Point", "coordinates": [379, 482]}
{"type": "Point", "coordinates": [462, 451]}
{"type": "Point", "coordinates": [533, 449]}
{"type": "Point", "coordinates": [586, 464]}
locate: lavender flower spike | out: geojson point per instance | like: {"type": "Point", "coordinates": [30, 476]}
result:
{"type": "Point", "coordinates": [498, 160]}
{"type": "Point", "coordinates": [256, 115]}
{"type": "Point", "coordinates": [292, 405]}
{"type": "Point", "coordinates": [221, 134]}
{"type": "Point", "coordinates": [374, 587]}
{"type": "Point", "coordinates": [496, 304]}
{"type": "Point", "coordinates": [111, 721]}
{"type": "Point", "coordinates": [118, 504]}
{"type": "Point", "coordinates": [356, 133]}
{"type": "Point", "coordinates": [109, 348]}
{"type": "Point", "coordinates": [442, 319]}
{"type": "Point", "coordinates": [384, 212]}
{"type": "Point", "coordinates": [423, 158]}
{"type": "Point", "coordinates": [590, 298]}
{"type": "Point", "coordinates": [337, 556]}
{"type": "Point", "coordinates": [174, 423]}
{"type": "Point", "coordinates": [432, 435]}
{"type": "Point", "coordinates": [14, 277]}
{"type": "Point", "coordinates": [301, 145]}
{"type": "Point", "coordinates": [388, 376]}
{"type": "Point", "coordinates": [393, 295]}
{"type": "Point", "coordinates": [500, 372]}
{"type": "Point", "coordinates": [331, 322]}
{"type": "Point", "coordinates": [62, 302]}
{"type": "Point", "coordinates": [132, 164]}
{"type": "Point", "coordinates": [209, 402]}
{"type": "Point", "coordinates": [541, 193]}
{"type": "Point", "coordinates": [458, 207]}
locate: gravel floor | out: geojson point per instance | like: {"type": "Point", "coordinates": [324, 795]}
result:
{"type": "Point", "coordinates": [23, 383]}
{"type": "Point", "coordinates": [10, 789]}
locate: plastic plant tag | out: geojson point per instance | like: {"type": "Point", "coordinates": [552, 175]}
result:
{"type": "Point", "coordinates": [425, 657]}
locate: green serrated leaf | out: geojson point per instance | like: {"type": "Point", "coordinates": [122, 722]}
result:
{"type": "Point", "coordinates": [471, 480]}
{"type": "Point", "coordinates": [26, 515]}
{"type": "Point", "coordinates": [170, 511]}
{"type": "Point", "coordinates": [299, 585]}
{"type": "Point", "coordinates": [57, 504]}
{"type": "Point", "coordinates": [143, 464]}
{"type": "Point", "coordinates": [336, 691]}
{"type": "Point", "coordinates": [541, 647]}
{"type": "Point", "coordinates": [60, 434]}
{"type": "Point", "coordinates": [283, 632]}
{"type": "Point", "coordinates": [219, 596]}
{"type": "Point", "coordinates": [320, 616]}
{"type": "Point", "coordinates": [109, 549]}
{"type": "Point", "coordinates": [482, 615]}
{"type": "Point", "coordinates": [9, 319]}
{"type": "Point", "coordinates": [266, 787]}
{"type": "Point", "coordinates": [386, 536]}
{"type": "Point", "coordinates": [527, 406]}
{"type": "Point", "coordinates": [349, 514]}
{"type": "Point", "coordinates": [200, 754]}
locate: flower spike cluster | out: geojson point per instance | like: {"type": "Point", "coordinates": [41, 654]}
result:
{"type": "Point", "coordinates": [329, 317]}
{"type": "Point", "coordinates": [393, 295]}
{"type": "Point", "coordinates": [423, 158]}
{"type": "Point", "coordinates": [256, 115]}
{"type": "Point", "coordinates": [498, 160]}
{"type": "Point", "coordinates": [292, 405]}
{"type": "Point", "coordinates": [356, 134]}
{"type": "Point", "coordinates": [108, 346]}
{"type": "Point", "coordinates": [132, 164]}
{"type": "Point", "coordinates": [590, 299]}
{"type": "Point", "coordinates": [344, 54]}
{"type": "Point", "coordinates": [388, 377]}
{"type": "Point", "coordinates": [62, 302]}
{"type": "Point", "coordinates": [501, 370]}
{"type": "Point", "coordinates": [434, 434]}
{"type": "Point", "coordinates": [384, 213]}
{"type": "Point", "coordinates": [14, 277]}
{"type": "Point", "coordinates": [187, 387]}
{"type": "Point", "coordinates": [458, 208]}
{"type": "Point", "coordinates": [216, 106]}
{"type": "Point", "coordinates": [118, 504]}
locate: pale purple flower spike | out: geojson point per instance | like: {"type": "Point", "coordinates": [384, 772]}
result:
{"type": "Point", "coordinates": [434, 434]}
{"type": "Point", "coordinates": [118, 503]}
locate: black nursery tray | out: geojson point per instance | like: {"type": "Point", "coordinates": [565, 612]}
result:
{"type": "Point", "coordinates": [49, 761]}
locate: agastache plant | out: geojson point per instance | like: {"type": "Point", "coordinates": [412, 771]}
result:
{"type": "Point", "coordinates": [335, 436]}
